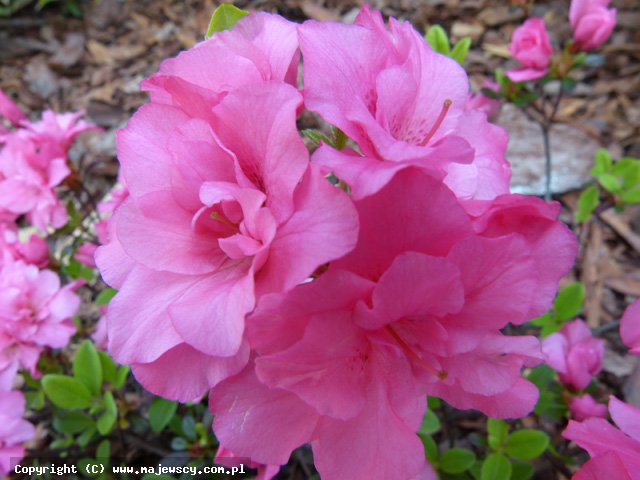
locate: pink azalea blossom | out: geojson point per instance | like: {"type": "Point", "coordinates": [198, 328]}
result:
{"type": "Point", "coordinates": [482, 102]}
{"type": "Point", "coordinates": [99, 335]}
{"type": "Point", "coordinates": [13, 430]}
{"type": "Point", "coordinates": [226, 457]}
{"type": "Point", "coordinates": [592, 22]}
{"type": "Point", "coordinates": [10, 110]}
{"type": "Point", "coordinates": [574, 354]}
{"type": "Point", "coordinates": [34, 251]}
{"type": "Point", "coordinates": [415, 309]}
{"type": "Point", "coordinates": [223, 207]}
{"type": "Point", "coordinates": [35, 312]}
{"type": "Point", "coordinates": [531, 46]}
{"type": "Point", "coordinates": [403, 105]}
{"type": "Point", "coordinates": [86, 253]}
{"type": "Point", "coordinates": [614, 453]}
{"type": "Point", "coordinates": [630, 327]}
{"type": "Point", "coordinates": [585, 406]}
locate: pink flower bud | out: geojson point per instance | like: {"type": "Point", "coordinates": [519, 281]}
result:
{"type": "Point", "coordinates": [531, 46]}
{"type": "Point", "coordinates": [592, 22]}
{"type": "Point", "coordinates": [585, 406]}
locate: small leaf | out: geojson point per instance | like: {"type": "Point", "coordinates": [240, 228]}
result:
{"type": "Point", "coordinates": [587, 203]}
{"type": "Point", "coordinates": [160, 413]}
{"type": "Point", "coordinates": [457, 460]}
{"type": "Point", "coordinates": [631, 196]}
{"type": "Point", "coordinates": [568, 303]}
{"type": "Point", "coordinates": [522, 471]}
{"type": "Point", "coordinates": [497, 432]}
{"type": "Point", "coordinates": [121, 376]}
{"type": "Point", "coordinates": [496, 467]}
{"type": "Point", "coordinates": [438, 39]}
{"type": "Point", "coordinates": [84, 439]}
{"type": "Point", "coordinates": [178, 444]}
{"type": "Point", "coordinates": [108, 419]}
{"type": "Point", "coordinates": [87, 367]}
{"type": "Point", "coordinates": [71, 422]}
{"type": "Point", "coordinates": [66, 392]}
{"type": "Point", "coordinates": [610, 182]}
{"type": "Point", "coordinates": [224, 18]}
{"type": "Point", "coordinates": [526, 444]}
{"type": "Point", "coordinates": [104, 450]}
{"type": "Point", "coordinates": [105, 296]}
{"type": "Point", "coordinates": [602, 162]}
{"type": "Point", "coordinates": [459, 52]}
{"type": "Point", "coordinates": [430, 448]}
{"type": "Point", "coordinates": [430, 423]}
{"type": "Point", "coordinates": [109, 367]}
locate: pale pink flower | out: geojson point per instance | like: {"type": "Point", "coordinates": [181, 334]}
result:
{"type": "Point", "coordinates": [592, 22]}
{"type": "Point", "coordinates": [14, 430]}
{"type": "Point", "coordinates": [34, 251]}
{"type": "Point", "coordinates": [35, 312]}
{"type": "Point", "coordinates": [99, 335]}
{"type": "Point", "coordinates": [403, 105]}
{"type": "Point", "coordinates": [630, 327]}
{"type": "Point", "coordinates": [614, 453]}
{"type": "Point", "coordinates": [10, 110]}
{"type": "Point", "coordinates": [531, 46]}
{"type": "Point", "coordinates": [223, 208]}
{"type": "Point", "coordinates": [85, 254]}
{"type": "Point", "coordinates": [585, 406]}
{"type": "Point", "coordinates": [415, 309]}
{"type": "Point", "coordinates": [574, 353]}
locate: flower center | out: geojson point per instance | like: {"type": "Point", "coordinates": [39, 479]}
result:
{"type": "Point", "coordinates": [414, 356]}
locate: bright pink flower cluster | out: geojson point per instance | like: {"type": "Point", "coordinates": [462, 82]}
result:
{"type": "Point", "coordinates": [531, 46]}
{"type": "Point", "coordinates": [314, 316]}
{"type": "Point", "coordinates": [592, 22]}
{"type": "Point", "coordinates": [614, 453]}
{"type": "Point", "coordinates": [33, 162]}
{"type": "Point", "coordinates": [574, 353]}
{"type": "Point", "coordinates": [13, 430]}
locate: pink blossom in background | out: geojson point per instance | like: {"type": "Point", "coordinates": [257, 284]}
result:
{"type": "Point", "coordinates": [614, 453]}
{"type": "Point", "coordinates": [403, 105]}
{"type": "Point", "coordinates": [574, 353]}
{"type": "Point", "coordinates": [85, 254]}
{"type": "Point", "coordinates": [585, 406]}
{"type": "Point", "coordinates": [415, 309]}
{"type": "Point", "coordinates": [226, 457]}
{"type": "Point", "coordinates": [630, 327]}
{"type": "Point", "coordinates": [481, 102]}
{"type": "Point", "coordinates": [592, 22]}
{"type": "Point", "coordinates": [34, 251]}
{"type": "Point", "coordinates": [531, 46]}
{"type": "Point", "coordinates": [10, 110]}
{"type": "Point", "coordinates": [35, 312]}
{"type": "Point", "coordinates": [222, 206]}
{"type": "Point", "coordinates": [14, 430]}
{"type": "Point", "coordinates": [99, 335]}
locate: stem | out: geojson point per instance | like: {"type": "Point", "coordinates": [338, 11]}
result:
{"type": "Point", "coordinates": [547, 161]}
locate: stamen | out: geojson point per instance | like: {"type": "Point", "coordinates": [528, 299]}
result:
{"type": "Point", "coordinates": [414, 356]}
{"type": "Point", "coordinates": [220, 218]}
{"type": "Point", "coordinates": [436, 125]}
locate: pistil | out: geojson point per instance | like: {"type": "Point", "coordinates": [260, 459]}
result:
{"type": "Point", "coordinates": [438, 122]}
{"type": "Point", "coordinates": [414, 356]}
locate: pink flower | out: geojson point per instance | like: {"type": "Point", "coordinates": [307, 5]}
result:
{"type": "Point", "coordinates": [481, 102]}
{"type": "Point", "coordinates": [630, 327]}
{"type": "Point", "coordinates": [10, 110]}
{"type": "Point", "coordinates": [415, 309]}
{"type": "Point", "coordinates": [34, 251]}
{"type": "Point", "coordinates": [531, 46]}
{"type": "Point", "coordinates": [614, 453]}
{"type": "Point", "coordinates": [592, 22]}
{"type": "Point", "coordinates": [585, 406]}
{"type": "Point", "coordinates": [13, 430]}
{"type": "Point", "coordinates": [86, 253]}
{"type": "Point", "coordinates": [35, 312]}
{"type": "Point", "coordinates": [403, 105]}
{"type": "Point", "coordinates": [223, 207]}
{"type": "Point", "coordinates": [99, 335]}
{"type": "Point", "coordinates": [226, 457]}
{"type": "Point", "coordinates": [574, 354]}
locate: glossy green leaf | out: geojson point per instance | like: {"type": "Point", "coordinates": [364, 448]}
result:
{"type": "Point", "coordinates": [568, 304]}
{"type": "Point", "coordinates": [522, 471]}
{"type": "Point", "coordinates": [109, 367]}
{"type": "Point", "coordinates": [587, 203]}
{"type": "Point", "coordinates": [160, 413]}
{"type": "Point", "coordinates": [66, 392]}
{"type": "Point", "coordinates": [104, 450]}
{"type": "Point", "coordinates": [497, 431]}
{"type": "Point", "coordinates": [87, 367]}
{"type": "Point", "coordinates": [105, 296]}
{"type": "Point", "coordinates": [526, 444]}
{"type": "Point", "coordinates": [224, 18]}
{"type": "Point", "coordinates": [121, 376]}
{"type": "Point", "coordinates": [108, 419]}
{"type": "Point", "coordinates": [430, 423]}
{"type": "Point", "coordinates": [457, 460]}
{"type": "Point", "coordinates": [71, 422]}
{"type": "Point", "coordinates": [496, 467]}
{"type": "Point", "coordinates": [438, 39]}
{"type": "Point", "coordinates": [430, 448]}
{"type": "Point", "coordinates": [460, 50]}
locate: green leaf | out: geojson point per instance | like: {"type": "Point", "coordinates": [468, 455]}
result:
{"type": "Point", "coordinates": [568, 303]}
{"type": "Point", "coordinates": [35, 400]}
{"type": "Point", "coordinates": [631, 196]}
{"type": "Point", "coordinates": [75, 269]}
{"type": "Point", "coordinates": [61, 443]}
{"type": "Point", "coordinates": [224, 18]}
{"type": "Point", "coordinates": [178, 444]}
{"type": "Point", "coordinates": [108, 419]}
{"type": "Point", "coordinates": [527, 444]}
{"type": "Point", "coordinates": [109, 367]}
{"type": "Point", "coordinates": [602, 162]}
{"type": "Point", "coordinates": [105, 296]}
{"type": "Point", "coordinates": [610, 182]}
{"type": "Point", "coordinates": [496, 467]}
{"type": "Point", "coordinates": [438, 39]}
{"type": "Point", "coordinates": [459, 52]}
{"type": "Point", "coordinates": [66, 392]}
{"type": "Point", "coordinates": [104, 450]}
{"type": "Point", "coordinates": [160, 413]}
{"type": "Point", "coordinates": [430, 423]}
{"type": "Point", "coordinates": [587, 203]}
{"type": "Point", "coordinates": [121, 376]}
{"type": "Point", "coordinates": [87, 367]}
{"type": "Point", "coordinates": [84, 439]}
{"type": "Point", "coordinates": [70, 422]}
{"type": "Point", "coordinates": [522, 471]}
{"type": "Point", "coordinates": [315, 136]}
{"type": "Point", "coordinates": [497, 431]}
{"type": "Point", "coordinates": [430, 448]}
{"type": "Point", "coordinates": [433, 403]}
{"type": "Point", "coordinates": [457, 460]}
